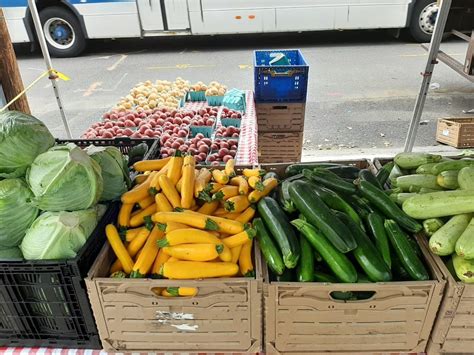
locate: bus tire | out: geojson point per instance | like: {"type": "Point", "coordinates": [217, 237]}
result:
{"type": "Point", "coordinates": [62, 31]}
{"type": "Point", "coordinates": [422, 20]}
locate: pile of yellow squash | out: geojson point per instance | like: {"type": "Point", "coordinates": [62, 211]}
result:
{"type": "Point", "coordinates": [180, 222]}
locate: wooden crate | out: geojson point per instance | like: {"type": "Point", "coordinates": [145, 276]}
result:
{"type": "Point", "coordinates": [456, 132]}
{"type": "Point", "coordinates": [280, 117]}
{"type": "Point", "coordinates": [453, 329]}
{"type": "Point", "coordinates": [302, 318]}
{"type": "Point", "coordinates": [132, 316]}
{"type": "Point", "coordinates": [280, 147]}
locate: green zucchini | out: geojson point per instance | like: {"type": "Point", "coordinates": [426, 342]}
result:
{"type": "Point", "coordinates": [401, 197]}
{"type": "Point", "coordinates": [465, 244]}
{"type": "Point", "coordinates": [305, 268]}
{"type": "Point", "coordinates": [362, 278]}
{"type": "Point", "coordinates": [269, 250]}
{"type": "Point", "coordinates": [404, 250]}
{"type": "Point", "coordinates": [399, 272]}
{"type": "Point", "coordinates": [439, 204]}
{"type": "Point", "coordinates": [466, 178]}
{"type": "Point", "coordinates": [337, 261]}
{"type": "Point", "coordinates": [443, 241]}
{"type": "Point", "coordinates": [323, 277]}
{"type": "Point", "coordinates": [336, 202]}
{"type": "Point", "coordinates": [318, 214]}
{"type": "Point", "coordinates": [414, 160]}
{"type": "Point", "coordinates": [281, 230]}
{"type": "Point", "coordinates": [330, 180]}
{"type": "Point", "coordinates": [366, 254]}
{"type": "Point", "coordinates": [425, 168]}
{"type": "Point", "coordinates": [377, 229]}
{"type": "Point", "coordinates": [284, 196]}
{"type": "Point", "coordinates": [295, 169]}
{"type": "Point", "coordinates": [425, 190]}
{"type": "Point", "coordinates": [287, 276]}
{"type": "Point", "coordinates": [384, 172]}
{"type": "Point", "coordinates": [366, 175]}
{"type": "Point", "coordinates": [388, 207]}
{"type": "Point", "coordinates": [419, 181]}
{"type": "Point", "coordinates": [464, 269]}
{"type": "Point", "coordinates": [317, 256]}
{"type": "Point", "coordinates": [451, 165]}
{"type": "Point", "coordinates": [137, 153]}
{"type": "Point", "coordinates": [394, 174]}
{"type": "Point", "coordinates": [344, 171]}
{"type": "Point", "coordinates": [431, 225]}
{"type": "Point", "coordinates": [448, 179]}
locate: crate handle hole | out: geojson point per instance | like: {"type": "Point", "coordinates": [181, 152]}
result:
{"type": "Point", "coordinates": [352, 296]}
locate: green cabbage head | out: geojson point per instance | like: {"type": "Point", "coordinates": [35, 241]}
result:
{"type": "Point", "coordinates": [11, 253]}
{"type": "Point", "coordinates": [58, 235]}
{"type": "Point", "coordinates": [65, 178]}
{"type": "Point", "coordinates": [16, 212]}
{"type": "Point", "coordinates": [114, 171]}
{"type": "Point", "coordinates": [22, 139]}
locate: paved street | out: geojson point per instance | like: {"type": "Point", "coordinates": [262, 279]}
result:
{"type": "Point", "coordinates": [361, 93]}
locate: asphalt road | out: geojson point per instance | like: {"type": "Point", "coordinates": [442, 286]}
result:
{"type": "Point", "coordinates": [361, 92]}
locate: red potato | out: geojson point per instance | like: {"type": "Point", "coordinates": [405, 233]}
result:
{"type": "Point", "coordinates": [107, 135]}
{"type": "Point", "coordinates": [129, 123]}
{"type": "Point", "coordinates": [200, 136]}
{"type": "Point", "coordinates": [215, 163]}
{"type": "Point", "coordinates": [202, 111]}
{"type": "Point", "coordinates": [128, 132]}
{"type": "Point", "coordinates": [234, 115]}
{"type": "Point", "coordinates": [121, 114]}
{"type": "Point", "coordinates": [207, 141]}
{"type": "Point", "coordinates": [224, 145]}
{"type": "Point", "coordinates": [177, 121]}
{"type": "Point", "coordinates": [152, 123]}
{"type": "Point", "coordinates": [164, 155]}
{"type": "Point", "coordinates": [183, 148]}
{"type": "Point", "coordinates": [223, 152]}
{"type": "Point", "coordinates": [214, 146]}
{"type": "Point", "coordinates": [149, 133]}
{"type": "Point", "coordinates": [108, 124]}
{"type": "Point", "coordinates": [235, 135]}
{"type": "Point", "coordinates": [175, 130]}
{"type": "Point", "coordinates": [192, 151]}
{"type": "Point", "coordinates": [202, 156]}
{"type": "Point", "coordinates": [182, 133]}
{"type": "Point", "coordinates": [210, 122]}
{"type": "Point", "coordinates": [206, 116]}
{"type": "Point", "coordinates": [120, 124]}
{"type": "Point", "coordinates": [119, 132]}
{"type": "Point", "coordinates": [136, 135]}
{"type": "Point", "coordinates": [175, 145]}
{"type": "Point", "coordinates": [95, 125]}
{"type": "Point", "coordinates": [225, 109]}
{"type": "Point", "coordinates": [178, 115]}
{"type": "Point", "coordinates": [203, 149]}
{"type": "Point", "coordinates": [106, 115]}
{"type": "Point", "coordinates": [180, 140]}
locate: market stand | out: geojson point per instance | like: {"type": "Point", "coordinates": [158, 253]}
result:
{"type": "Point", "coordinates": [420, 300]}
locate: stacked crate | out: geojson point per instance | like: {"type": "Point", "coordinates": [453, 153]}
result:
{"type": "Point", "coordinates": [280, 96]}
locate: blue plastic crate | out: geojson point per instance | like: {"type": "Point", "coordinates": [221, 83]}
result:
{"type": "Point", "coordinates": [280, 83]}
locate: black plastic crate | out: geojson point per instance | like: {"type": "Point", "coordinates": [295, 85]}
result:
{"type": "Point", "coordinates": [124, 144]}
{"type": "Point", "coordinates": [44, 302]}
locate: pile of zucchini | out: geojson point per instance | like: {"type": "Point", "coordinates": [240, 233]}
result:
{"type": "Point", "coordinates": [439, 191]}
{"type": "Point", "coordinates": [335, 223]}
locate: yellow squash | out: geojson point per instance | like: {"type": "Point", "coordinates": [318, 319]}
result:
{"type": "Point", "coordinates": [236, 253]}
{"type": "Point", "coordinates": [220, 176]}
{"type": "Point", "coordinates": [229, 167]}
{"type": "Point", "coordinates": [182, 291]}
{"type": "Point", "coordinates": [188, 236]}
{"type": "Point", "coordinates": [245, 260]}
{"type": "Point", "coordinates": [255, 182]}
{"type": "Point", "coordinates": [175, 167]}
{"type": "Point", "coordinates": [247, 215]}
{"type": "Point", "coordinates": [268, 185]}
{"type": "Point", "coordinates": [226, 192]}
{"type": "Point", "coordinates": [237, 203]}
{"type": "Point", "coordinates": [119, 248]}
{"type": "Point", "coordinates": [149, 165]}
{"type": "Point", "coordinates": [240, 238]}
{"type": "Point", "coordinates": [201, 181]}
{"type": "Point", "coordinates": [160, 259]}
{"type": "Point", "coordinates": [139, 192]}
{"type": "Point", "coordinates": [124, 215]}
{"type": "Point", "coordinates": [146, 202]}
{"type": "Point", "coordinates": [226, 254]}
{"type": "Point", "coordinates": [182, 270]}
{"type": "Point", "coordinates": [145, 261]}
{"type": "Point", "coordinates": [137, 243]}
{"type": "Point", "coordinates": [170, 191]}
{"type": "Point", "coordinates": [195, 252]}
{"type": "Point", "coordinates": [187, 189]}
{"type": "Point", "coordinates": [253, 172]}
{"type": "Point", "coordinates": [171, 226]}
{"type": "Point", "coordinates": [209, 207]}
{"type": "Point", "coordinates": [162, 203]}
{"type": "Point", "coordinates": [242, 183]}
{"type": "Point", "coordinates": [139, 218]}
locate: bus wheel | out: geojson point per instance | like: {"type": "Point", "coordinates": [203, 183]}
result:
{"type": "Point", "coordinates": [62, 31]}
{"type": "Point", "coordinates": [423, 20]}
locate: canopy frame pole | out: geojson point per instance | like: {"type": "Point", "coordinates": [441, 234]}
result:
{"type": "Point", "coordinates": [49, 64]}
{"type": "Point", "coordinates": [427, 74]}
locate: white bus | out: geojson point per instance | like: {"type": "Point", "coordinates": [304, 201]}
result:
{"type": "Point", "coordinates": [68, 24]}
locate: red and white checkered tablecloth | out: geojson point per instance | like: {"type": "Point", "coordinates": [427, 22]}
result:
{"type": "Point", "coordinates": [48, 351]}
{"type": "Point", "coordinates": [247, 152]}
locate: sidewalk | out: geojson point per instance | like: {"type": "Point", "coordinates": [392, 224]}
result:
{"type": "Point", "coordinates": [370, 153]}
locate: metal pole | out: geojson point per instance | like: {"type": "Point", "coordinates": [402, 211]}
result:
{"type": "Point", "coordinates": [432, 54]}
{"type": "Point", "coordinates": [49, 64]}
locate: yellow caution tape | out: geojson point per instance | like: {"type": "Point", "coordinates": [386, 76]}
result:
{"type": "Point", "coordinates": [54, 75]}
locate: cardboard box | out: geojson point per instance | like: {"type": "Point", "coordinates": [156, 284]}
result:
{"type": "Point", "coordinates": [280, 147]}
{"type": "Point", "coordinates": [456, 132]}
{"type": "Point", "coordinates": [280, 117]}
